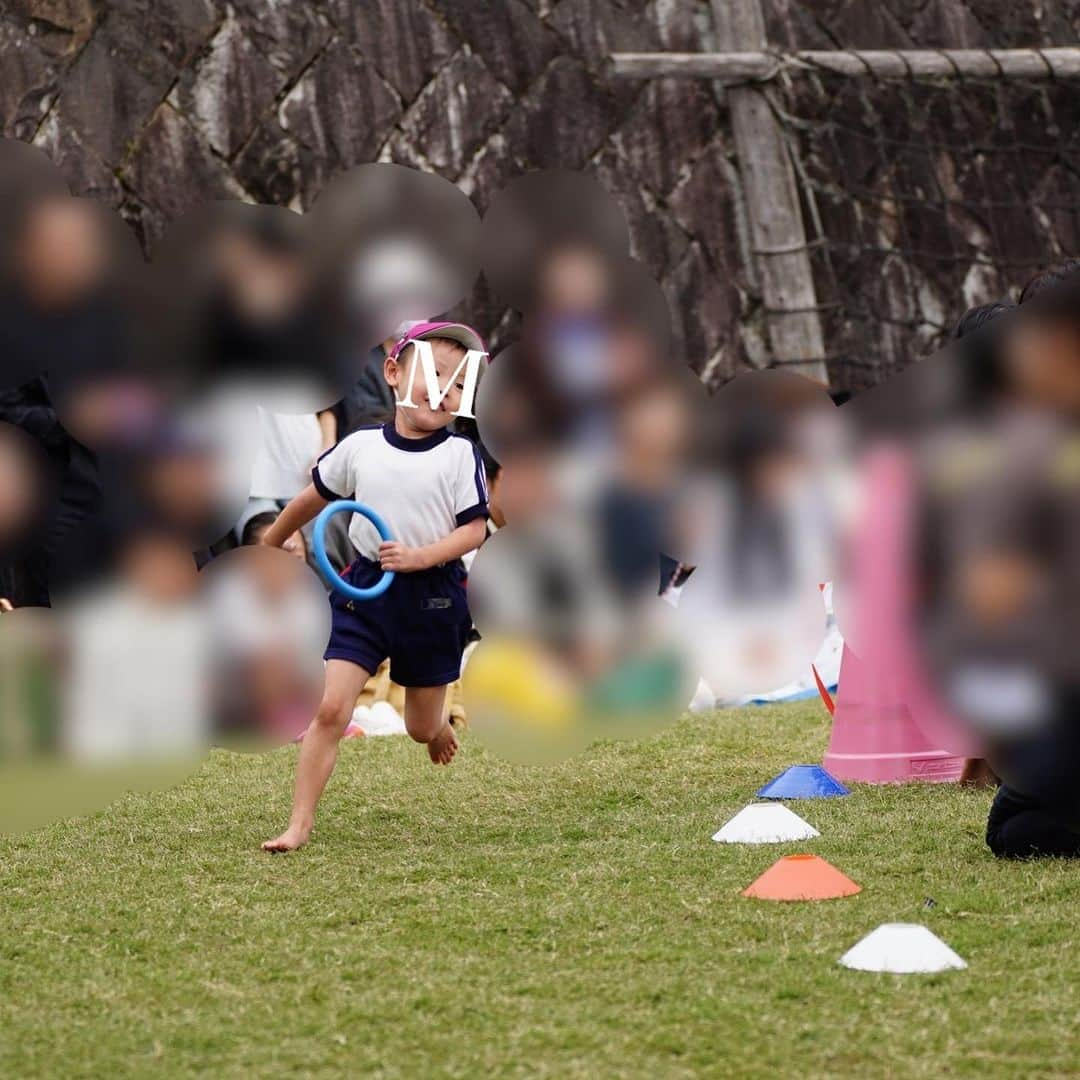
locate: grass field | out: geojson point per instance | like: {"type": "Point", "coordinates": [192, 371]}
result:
{"type": "Point", "coordinates": [489, 919]}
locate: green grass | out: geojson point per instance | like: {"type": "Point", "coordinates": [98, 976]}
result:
{"type": "Point", "coordinates": [489, 919]}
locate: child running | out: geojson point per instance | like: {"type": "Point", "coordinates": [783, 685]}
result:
{"type": "Point", "coordinates": [428, 486]}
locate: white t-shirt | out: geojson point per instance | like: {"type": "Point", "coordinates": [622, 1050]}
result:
{"type": "Point", "coordinates": [287, 447]}
{"type": "Point", "coordinates": [422, 488]}
{"type": "Point", "coordinates": [139, 678]}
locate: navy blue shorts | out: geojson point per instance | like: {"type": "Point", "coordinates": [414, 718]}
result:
{"type": "Point", "coordinates": [421, 623]}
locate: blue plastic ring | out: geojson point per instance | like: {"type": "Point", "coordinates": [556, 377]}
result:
{"type": "Point", "coordinates": [330, 575]}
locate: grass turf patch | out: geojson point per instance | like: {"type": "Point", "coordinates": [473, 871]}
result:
{"type": "Point", "coordinates": [501, 920]}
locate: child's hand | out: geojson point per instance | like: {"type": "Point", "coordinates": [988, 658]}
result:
{"type": "Point", "coordinates": [394, 555]}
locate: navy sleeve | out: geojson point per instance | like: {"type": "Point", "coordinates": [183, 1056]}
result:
{"type": "Point", "coordinates": [471, 499]}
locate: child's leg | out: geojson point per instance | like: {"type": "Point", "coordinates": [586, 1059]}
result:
{"type": "Point", "coordinates": [318, 752]}
{"type": "Point", "coordinates": [426, 722]}
{"type": "Point", "coordinates": [376, 689]}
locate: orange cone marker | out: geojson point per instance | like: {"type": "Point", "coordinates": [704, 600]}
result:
{"type": "Point", "coordinates": [801, 877]}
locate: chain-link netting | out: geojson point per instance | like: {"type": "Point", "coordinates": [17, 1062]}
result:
{"type": "Point", "coordinates": [922, 199]}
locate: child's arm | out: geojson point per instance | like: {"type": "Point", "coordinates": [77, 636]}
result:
{"type": "Point", "coordinates": [393, 555]}
{"type": "Point", "coordinates": [327, 428]}
{"type": "Point", "coordinates": [296, 515]}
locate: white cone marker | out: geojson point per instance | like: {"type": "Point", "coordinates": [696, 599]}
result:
{"type": "Point", "coordinates": [902, 948]}
{"type": "Point", "coordinates": [765, 823]}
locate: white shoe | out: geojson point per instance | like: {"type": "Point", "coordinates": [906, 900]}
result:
{"type": "Point", "coordinates": [384, 719]}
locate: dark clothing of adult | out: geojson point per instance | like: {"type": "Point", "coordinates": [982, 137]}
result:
{"type": "Point", "coordinates": [369, 400]}
{"type": "Point", "coordinates": [1020, 827]}
{"type": "Point", "coordinates": [78, 492]}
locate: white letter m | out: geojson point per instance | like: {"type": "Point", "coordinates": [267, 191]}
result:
{"type": "Point", "coordinates": [435, 393]}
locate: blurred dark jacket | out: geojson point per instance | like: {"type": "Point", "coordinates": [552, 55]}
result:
{"type": "Point", "coordinates": [78, 490]}
{"type": "Point", "coordinates": [369, 400]}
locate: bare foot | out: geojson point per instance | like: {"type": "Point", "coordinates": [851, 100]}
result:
{"type": "Point", "coordinates": [443, 747]}
{"type": "Point", "coordinates": [291, 839]}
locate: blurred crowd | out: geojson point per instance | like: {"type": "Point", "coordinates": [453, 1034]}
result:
{"type": "Point", "coordinates": [156, 414]}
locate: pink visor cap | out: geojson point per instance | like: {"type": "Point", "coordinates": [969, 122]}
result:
{"type": "Point", "coordinates": [459, 332]}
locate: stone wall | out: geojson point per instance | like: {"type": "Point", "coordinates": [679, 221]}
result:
{"type": "Point", "coordinates": [155, 106]}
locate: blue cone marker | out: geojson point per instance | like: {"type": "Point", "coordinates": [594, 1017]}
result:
{"type": "Point", "coordinates": [803, 782]}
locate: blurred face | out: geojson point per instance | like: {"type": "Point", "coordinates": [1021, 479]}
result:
{"type": "Point", "coordinates": [997, 586]}
{"type": "Point", "coordinates": [272, 574]}
{"type": "Point", "coordinates": [160, 568]}
{"type": "Point", "coordinates": [397, 276]}
{"type": "Point", "coordinates": [184, 486]}
{"type": "Point", "coordinates": [98, 409]}
{"type": "Point", "coordinates": [574, 281]}
{"type": "Point", "coordinates": [264, 285]}
{"type": "Point", "coordinates": [525, 491]}
{"type": "Point", "coordinates": [61, 255]}
{"type": "Point", "coordinates": [775, 475]}
{"type": "Point", "coordinates": [1043, 362]}
{"type": "Point", "coordinates": [424, 419]}
{"type": "Point", "coordinates": [653, 430]}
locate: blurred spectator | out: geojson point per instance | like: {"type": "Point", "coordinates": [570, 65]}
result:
{"type": "Point", "coordinates": [269, 622]}
{"type": "Point", "coordinates": [55, 313]}
{"type": "Point", "coordinates": [977, 771]}
{"type": "Point", "coordinates": [258, 516]}
{"type": "Point", "coordinates": [369, 400]}
{"type": "Point", "coordinates": [138, 649]}
{"type": "Point", "coordinates": [289, 445]}
{"type": "Point", "coordinates": [262, 322]}
{"type": "Point", "coordinates": [60, 319]}
{"type": "Point", "coordinates": [997, 530]}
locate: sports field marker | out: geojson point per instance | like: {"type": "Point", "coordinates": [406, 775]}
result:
{"type": "Point", "coordinates": [803, 782]}
{"type": "Point", "coordinates": [902, 948]}
{"type": "Point", "coordinates": [801, 877]}
{"type": "Point", "coordinates": [765, 823]}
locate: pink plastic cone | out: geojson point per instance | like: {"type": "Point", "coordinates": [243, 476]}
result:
{"type": "Point", "coordinates": [874, 738]}
{"type": "Point", "coordinates": [889, 724]}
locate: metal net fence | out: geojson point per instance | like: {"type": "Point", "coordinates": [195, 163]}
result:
{"type": "Point", "coordinates": [923, 198]}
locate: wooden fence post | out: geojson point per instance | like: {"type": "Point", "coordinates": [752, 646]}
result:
{"type": "Point", "coordinates": [772, 204]}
